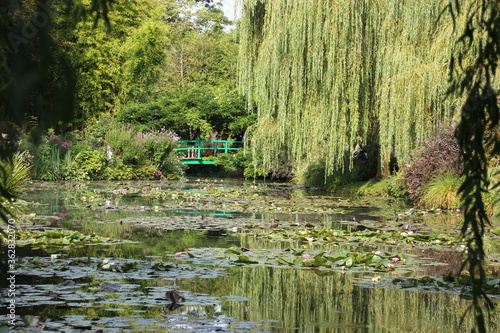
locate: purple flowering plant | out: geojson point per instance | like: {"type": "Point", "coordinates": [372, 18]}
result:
{"type": "Point", "coordinates": [159, 146]}
{"type": "Point", "coordinates": [58, 141]}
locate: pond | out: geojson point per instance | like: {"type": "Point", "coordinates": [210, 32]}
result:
{"type": "Point", "coordinates": [247, 257]}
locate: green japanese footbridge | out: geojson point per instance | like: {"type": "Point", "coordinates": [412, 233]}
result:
{"type": "Point", "coordinates": [193, 151]}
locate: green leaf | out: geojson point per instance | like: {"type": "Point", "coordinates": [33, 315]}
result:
{"type": "Point", "coordinates": [282, 261]}
{"type": "Point", "coordinates": [349, 262]}
{"type": "Point", "coordinates": [234, 250]}
{"type": "Point", "coordinates": [493, 282]}
{"type": "Point", "coordinates": [246, 260]}
{"type": "Point", "coordinates": [298, 261]}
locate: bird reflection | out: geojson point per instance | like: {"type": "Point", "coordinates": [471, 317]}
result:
{"type": "Point", "coordinates": [175, 298]}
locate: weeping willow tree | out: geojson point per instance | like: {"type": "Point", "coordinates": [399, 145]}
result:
{"type": "Point", "coordinates": [477, 132]}
{"type": "Point", "coordinates": [328, 76]}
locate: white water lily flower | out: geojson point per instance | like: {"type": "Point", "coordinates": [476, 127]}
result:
{"type": "Point", "coordinates": [108, 266]}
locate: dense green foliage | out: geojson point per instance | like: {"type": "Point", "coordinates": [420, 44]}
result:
{"type": "Point", "coordinates": [120, 152]}
{"type": "Point", "coordinates": [14, 172]}
{"type": "Point", "coordinates": [105, 73]}
{"type": "Point", "coordinates": [190, 110]}
{"type": "Point", "coordinates": [475, 80]}
{"type": "Point", "coordinates": [353, 73]}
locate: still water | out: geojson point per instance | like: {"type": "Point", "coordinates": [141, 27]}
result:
{"type": "Point", "coordinates": [175, 234]}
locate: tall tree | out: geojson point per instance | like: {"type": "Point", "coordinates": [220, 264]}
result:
{"type": "Point", "coordinates": [351, 72]}
{"type": "Point", "coordinates": [115, 62]}
{"type": "Point", "coordinates": [202, 52]}
{"type": "Point", "coordinates": [35, 78]}
{"type": "Point", "coordinates": [197, 85]}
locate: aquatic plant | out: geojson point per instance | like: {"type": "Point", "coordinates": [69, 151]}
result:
{"type": "Point", "coordinates": [57, 238]}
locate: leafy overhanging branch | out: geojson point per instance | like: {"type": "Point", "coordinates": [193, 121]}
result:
{"type": "Point", "coordinates": [479, 115]}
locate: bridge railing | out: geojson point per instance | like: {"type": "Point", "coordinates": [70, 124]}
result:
{"type": "Point", "coordinates": [197, 149]}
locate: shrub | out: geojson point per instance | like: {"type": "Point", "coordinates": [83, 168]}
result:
{"type": "Point", "coordinates": [172, 170]}
{"type": "Point", "coordinates": [441, 192]}
{"type": "Point", "coordinates": [314, 176]}
{"type": "Point", "coordinates": [251, 168]}
{"type": "Point", "coordinates": [13, 172]}
{"type": "Point", "coordinates": [226, 161]}
{"type": "Point", "coordinates": [89, 162]}
{"type": "Point", "coordinates": [144, 153]}
{"type": "Point", "coordinates": [160, 147]}
{"type": "Point", "coordinates": [96, 133]}
{"type": "Point", "coordinates": [145, 171]}
{"type": "Point", "coordinates": [440, 155]}
{"type": "Point", "coordinates": [117, 170]}
{"type": "Point", "coordinates": [125, 143]}
{"type": "Point", "coordinates": [396, 187]}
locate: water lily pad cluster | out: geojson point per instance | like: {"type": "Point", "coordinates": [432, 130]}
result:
{"type": "Point", "coordinates": [217, 197]}
{"type": "Point", "coordinates": [58, 237]}
{"type": "Point", "coordinates": [376, 260]}
{"type": "Point", "coordinates": [327, 236]}
{"type": "Point", "coordinates": [336, 260]}
{"type": "Point", "coordinates": [111, 268]}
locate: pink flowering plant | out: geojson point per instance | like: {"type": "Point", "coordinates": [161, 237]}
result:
{"type": "Point", "coordinates": [147, 153]}
{"type": "Point", "coordinates": [117, 151]}
{"type": "Point", "coordinates": [59, 142]}
{"type": "Point", "coordinates": [160, 148]}
{"type": "Point", "coordinates": [121, 191]}
{"type": "Point", "coordinates": [52, 158]}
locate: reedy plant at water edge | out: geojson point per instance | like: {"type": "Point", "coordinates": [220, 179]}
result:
{"type": "Point", "coordinates": [441, 192]}
{"type": "Point", "coordinates": [14, 171]}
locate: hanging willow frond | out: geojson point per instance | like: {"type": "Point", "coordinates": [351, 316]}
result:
{"type": "Point", "coordinates": [329, 75]}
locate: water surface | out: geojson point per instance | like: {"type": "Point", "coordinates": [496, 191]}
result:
{"type": "Point", "coordinates": [120, 287]}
